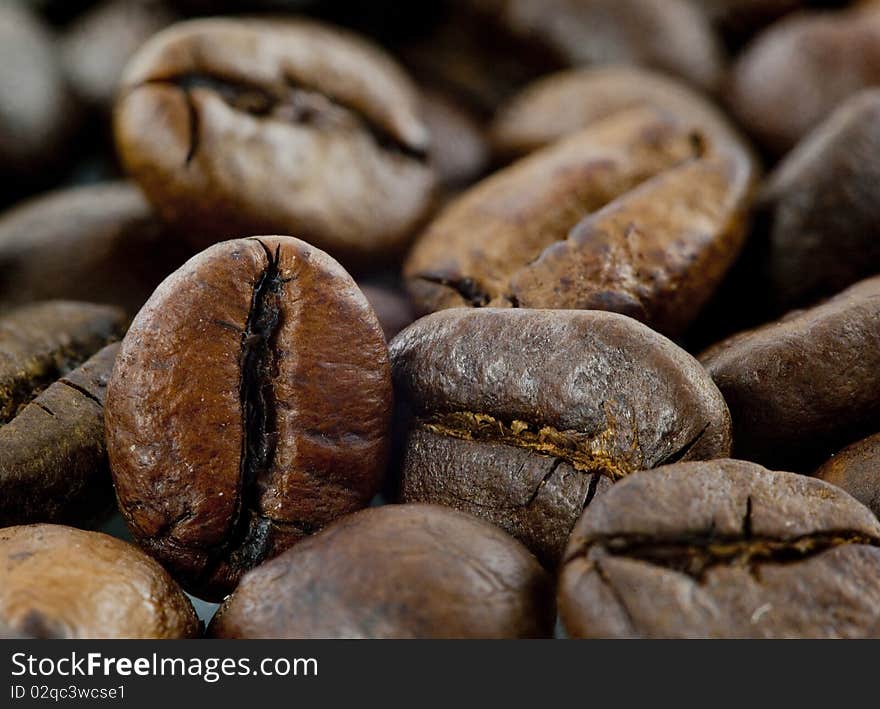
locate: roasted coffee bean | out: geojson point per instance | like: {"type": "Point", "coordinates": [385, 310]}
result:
{"type": "Point", "coordinates": [53, 462]}
{"type": "Point", "coordinates": [565, 102]}
{"type": "Point", "coordinates": [722, 549]}
{"type": "Point", "coordinates": [285, 127]}
{"type": "Point", "coordinates": [823, 206]}
{"type": "Point", "coordinates": [522, 417]}
{"type": "Point", "coordinates": [392, 308]}
{"type": "Point", "coordinates": [34, 109]}
{"type": "Point", "coordinates": [800, 388]}
{"type": "Point", "coordinates": [100, 243]}
{"type": "Point", "coordinates": [96, 47]}
{"type": "Point", "coordinates": [250, 406]}
{"type": "Point", "coordinates": [459, 152]}
{"type": "Point", "coordinates": [43, 342]}
{"type": "Point", "coordinates": [60, 582]}
{"type": "Point", "coordinates": [800, 69]}
{"type": "Point", "coordinates": [399, 571]}
{"type": "Point", "coordinates": [856, 469]}
{"type": "Point", "coordinates": [672, 35]}
{"type": "Point", "coordinates": [641, 213]}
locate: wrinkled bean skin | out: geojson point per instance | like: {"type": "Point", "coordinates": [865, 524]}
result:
{"type": "Point", "coordinates": [53, 461]}
{"type": "Point", "coordinates": [641, 213]}
{"type": "Point", "coordinates": [800, 69]}
{"type": "Point", "coordinates": [823, 206]}
{"type": "Point", "coordinates": [398, 571]}
{"type": "Point", "coordinates": [272, 356]}
{"type": "Point", "coordinates": [671, 36]}
{"type": "Point", "coordinates": [42, 342]}
{"type": "Point", "coordinates": [64, 583]}
{"type": "Point", "coordinates": [722, 549]}
{"type": "Point", "coordinates": [800, 388]}
{"type": "Point", "coordinates": [522, 417]}
{"type": "Point", "coordinates": [99, 243]}
{"type": "Point", "coordinates": [856, 469]}
{"type": "Point", "coordinates": [241, 127]}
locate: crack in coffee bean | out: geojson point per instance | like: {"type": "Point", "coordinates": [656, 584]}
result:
{"type": "Point", "coordinates": [696, 555]}
{"type": "Point", "coordinates": [471, 291]}
{"type": "Point", "coordinates": [290, 101]}
{"type": "Point", "coordinates": [584, 452]}
{"type": "Point", "coordinates": [249, 534]}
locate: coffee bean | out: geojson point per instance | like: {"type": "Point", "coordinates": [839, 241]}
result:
{"type": "Point", "coordinates": [672, 36]}
{"type": "Point", "coordinates": [99, 243]}
{"type": "Point", "coordinates": [641, 213]}
{"type": "Point", "coordinates": [856, 469]}
{"type": "Point", "coordinates": [399, 571]}
{"type": "Point", "coordinates": [800, 69]}
{"type": "Point", "coordinates": [285, 127]}
{"type": "Point", "coordinates": [96, 47]}
{"type": "Point", "coordinates": [522, 417]}
{"type": "Point", "coordinates": [35, 113]}
{"type": "Point", "coordinates": [800, 388]}
{"type": "Point", "coordinates": [722, 549]}
{"type": "Point", "coordinates": [823, 206]}
{"type": "Point", "coordinates": [43, 342]}
{"type": "Point", "coordinates": [565, 102]}
{"type": "Point", "coordinates": [60, 582]}
{"type": "Point", "coordinates": [53, 462]}
{"type": "Point", "coordinates": [249, 407]}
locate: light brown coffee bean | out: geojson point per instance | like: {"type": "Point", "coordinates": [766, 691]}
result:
{"type": "Point", "coordinates": [60, 582]}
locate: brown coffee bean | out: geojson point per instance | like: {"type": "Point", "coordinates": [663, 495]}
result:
{"type": "Point", "coordinates": [641, 213]}
{"type": "Point", "coordinates": [856, 469]}
{"type": "Point", "coordinates": [399, 571]}
{"type": "Point", "coordinates": [522, 417]}
{"type": "Point", "coordinates": [722, 549]}
{"type": "Point", "coordinates": [800, 69]}
{"type": "Point", "coordinates": [672, 35]}
{"type": "Point", "coordinates": [35, 113]}
{"type": "Point", "coordinates": [249, 407]}
{"type": "Point", "coordinates": [800, 388]}
{"type": "Point", "coordinates": [60, 582]}
{"type": "Point", "coordinates": [391, 307]}
{"type": "Point", "coordinates": [43, 342]}
{"type": "Point", "coordinates": [565, 102]}
{"type": "Point", "coordinates": [285, 127]}
{"type": "Point", "coordinates": [97, 45]}
{"type": "Point", "coordinates": [823, 206]}
{"type": "Point", "coordinates": [99, 243]}
{"type": "Point", "coordinates": [53, 462]}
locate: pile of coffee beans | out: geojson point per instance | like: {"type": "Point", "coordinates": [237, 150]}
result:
{"type": "Point", "coordinates": [463, 318]}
